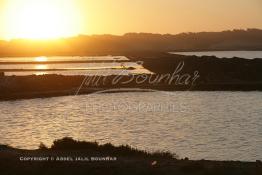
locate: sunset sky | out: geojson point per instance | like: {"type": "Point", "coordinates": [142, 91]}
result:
{"type": "Point", "coordinates": [45, 19]}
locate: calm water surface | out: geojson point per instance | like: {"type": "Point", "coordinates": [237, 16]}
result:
{"type": "Point", "coordinates": [199, 125]}
{"type": "Point", "coordinates": [226, 54]}
{"type": "Point", "coordinates": [105, 68]}
{"type": "Point", "coordinates": [61, 58]}
{"type": "Point", "coordinates": [41, 66]}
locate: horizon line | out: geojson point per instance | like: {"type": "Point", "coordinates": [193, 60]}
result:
{"type": "Point", "coordinates": [124, 34]}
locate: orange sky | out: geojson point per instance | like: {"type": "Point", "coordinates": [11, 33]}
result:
{"type": "Point", "coordinates": [60, 18]}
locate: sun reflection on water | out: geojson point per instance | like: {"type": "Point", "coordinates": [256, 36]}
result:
{"type": "Point", "coordinates": [40, 73]}
{"type": "Point", "coordinates": [41, 66]}
{"type": "Point", "coordinates": [41, 59]}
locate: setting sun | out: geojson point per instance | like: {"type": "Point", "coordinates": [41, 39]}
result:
{"type": "Point", "coordinates": [41, 19]}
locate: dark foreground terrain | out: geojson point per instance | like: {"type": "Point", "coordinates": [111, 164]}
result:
{"type": "Point", "coordinates": [67, 156]}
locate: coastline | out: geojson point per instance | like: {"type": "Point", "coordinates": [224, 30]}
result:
{"type": "Point", "coordinates": [32, 86]}
{"type": "Point", "coordinates": [171, 73]}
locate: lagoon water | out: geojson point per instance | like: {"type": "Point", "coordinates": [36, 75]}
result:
{"type": "Point", "coordinates": [225, 54]}
{"type": "Point", "coordinates": [69, 65]}
{"type": "Point", "coordinates": [198, 125]}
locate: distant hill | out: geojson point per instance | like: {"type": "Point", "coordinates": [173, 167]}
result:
{"type": "Point", "coordinates": [250, 39]}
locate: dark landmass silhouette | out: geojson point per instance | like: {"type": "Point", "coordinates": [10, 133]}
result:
{"type": "Point", "coordinates": [67, 154]}
{"type": "Point", "coordinates": [83, 45]}
{"type": "Point", "coordinates": [211, 68]}
{"type": "Point", "coordinates": [213, 74]}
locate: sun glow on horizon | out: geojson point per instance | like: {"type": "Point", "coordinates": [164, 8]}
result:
{"type": "Point", "coordinates": [41, 19]}
{"type": "Point", "coordinates": [54, 19]}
